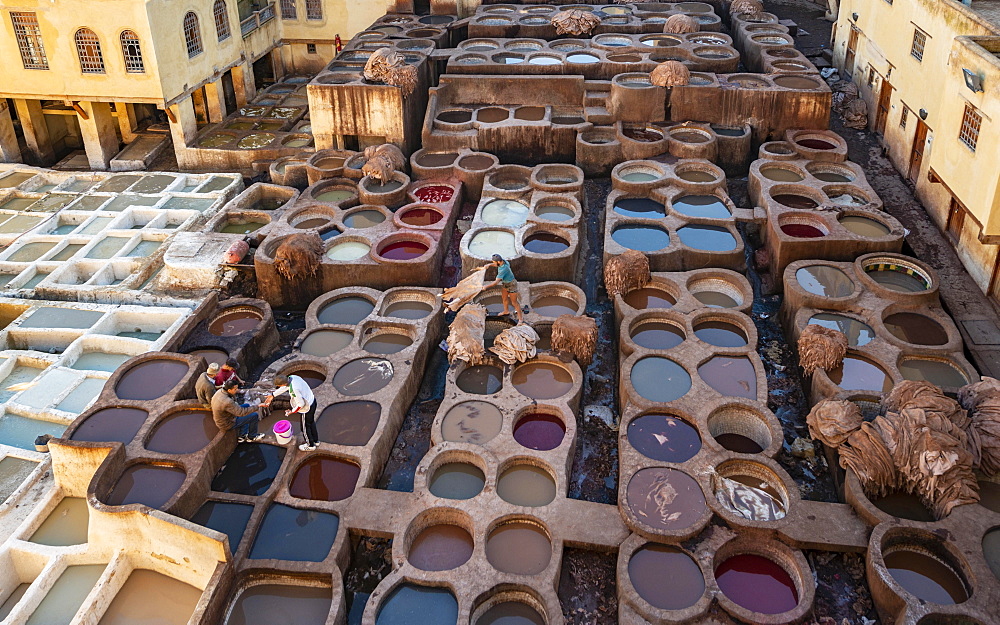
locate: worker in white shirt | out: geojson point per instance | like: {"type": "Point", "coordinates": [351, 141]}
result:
{"type": "Point", "coordinates": [303, 404]}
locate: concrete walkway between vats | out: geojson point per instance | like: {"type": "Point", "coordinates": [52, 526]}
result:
{"type": "Point", "coordinates": [975, 315]}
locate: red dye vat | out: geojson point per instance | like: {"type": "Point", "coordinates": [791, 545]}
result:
{"type": "Point", "coordinates": [757, 584]}
{"type": "Point", "coordinates": [420, 216]}
{"type": "Point", "coordinates": [802, 231]}
{"type": "Point", "coordinates": [403, 250]}
{"type": "Point", "coordinates": [434, 194]}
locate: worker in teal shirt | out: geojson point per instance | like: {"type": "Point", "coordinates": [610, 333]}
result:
{"type": "Point", "coordinates": [508, 287]}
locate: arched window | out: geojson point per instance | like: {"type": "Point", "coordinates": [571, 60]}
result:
{"type": "Point", "coordinates": [288, 11]}
{"type": "Point", "coordinates": [88, 48]}
{"type": "Point", "coordinates": [132, 52]}
{"type": "Point", "coordinates": [221, 20]}
{"type": "Point", "coordinates": [192, 35]}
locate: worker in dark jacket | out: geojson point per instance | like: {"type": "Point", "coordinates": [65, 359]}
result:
{"type": "Point", "coordinates": [227, 414]}
{"type": "Point", "coordinates": [204, 386]}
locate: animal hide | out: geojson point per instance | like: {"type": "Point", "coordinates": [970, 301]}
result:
{"type": "Point", "coordinates": [832, 422]}
{"type": "Point", "coordinates": [670, 73]}
{"type": "Point", "coordinates": [575, 22]}
{"type": "Point", "coordinates": [462, 293]}
{"type": "Point", "coordinates": [971, 394]}
{"type": "Point", "coordinates": [389, 67]}
{"type": "Point", "coordinates": [515, 344]}
{"type": "Point", "coordinates": [680, 24]}
{"type": "Point", "coordinates": [821, 348]}
{"type": "Point", "coordinates": [465, 335]}
{"type": "Point", "coordinates": [299, 256]}
{"type": "Point", "coordinates": [626, 272]}
{"type": "Point", "coordinates": [745, 7]}
{"type": "Point", "coordinates": [576, 335]}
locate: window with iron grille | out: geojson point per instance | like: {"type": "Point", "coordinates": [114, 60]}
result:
{"type": "Point", "coordinates": [971, 122]}
{"type": "Point", "coordinates": [919, 41]}
{"type": "Point", "coordinates": [192, 35]}
{"type": "Point", "coordinates": [29, 39]}
{"type": "Point", "coordinates": [314, 9]}
{"type": "Point", "coordinates": [221, 20]}
{"type": "Point", "coordinates": [903, 117]}
{"type": "Point", "coordinates": [311, 48]}
{"type": "Point", "coordinates": [288, 11]}
{"type": "Point", "coordinates": [132, 52]}
{"type": "Point", "coordinates": [871, 76]}
{"type": "Point", "coordinates": [88, 48]}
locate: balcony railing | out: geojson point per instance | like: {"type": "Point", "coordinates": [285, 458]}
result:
{"type": "Point", "coordinates": [257, 19]}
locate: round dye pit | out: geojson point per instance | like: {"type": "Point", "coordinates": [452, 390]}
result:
{"type": "Point", "coordinates": [857, 332]}
{"type": "Point", "coordinates": [690, 136]}
{"type": "Point", "coordinates": [313, 222]}
{"type": "Point", "coordinates": [505, 213]}
{"type": "Point", "coordinates": [664, 437]}
{"type": "Point", "coordinates": [732, 376]}
{"type": "Point", "coordinates": [637, 174]}
{"type": "Point", "coordinates": [489, 242]}
{"type": "Point", "coordinates": [642, 134]}
{"type": "Point", "coordinates": [345, 310]}
{"type": "Point", "coordinates": [991, 551]}
{"type": "Point", "coordinates": [708, 206]}
{"type": "Point", "coordinates": [407, 309]}
{"type": "Point", "coordinates": [781, 174]}
{"type": "Point", "coordinates": [440, 548]}
{"type": "Point", "coordinates": [266, 604]}
{"type": "Point", "coordinates": [361, 219]}
{"type": "Point", "coordinates": [641, 238]}
{"type": "Point", "coordinates": [545, 243]}
{"type": "Point", "coordinates": [657, 335]}
{"type": "Point", "coordinates": [350, 423]}
{"type": "Point", "coordinates": [915, 328]}
{"type": "Point", "coordinates": [989, 495]}
{"type": "Point", "coordinates": [148, 484]}
{"type": "Point", "coordinates": [539, 431]}
{"type": "Point", "coordinates": [860, 374]}
{"type": "Point", "coordinates": [235, 322]}
{"type": "Point", "coordinates": [829, 175]}
{"type": "Point", "coordinates": [659, 379]}
{"type": "Point", "coordinates": [649, 298]}
{"type": "Point", "coordinates": [403, 250]}
{"type": "Point", "coordinates": [639, 207]}
{"type": "Point", "coordinates": [475, 422]}
{"type": "Point", "coordinates": [323, 343]}
{"type": "Point", "coordinates": [757, 584]}
{"type": "Point", "coordinates": [925, 575]}
{"type": "Point", "coordinates": [420, 217]}
{"type": "Point", "coordinates": [793, 200]}
{"type": "Point", "coordinates": [815, 144]}
{"type": "Point", "coordinates": [454, 117]}
{"type": "Point", "coordinates": [904, 505]}
{"type": "Point", "coordinates": [325, 479]}
{"type": "Point", "coordinates": [665, 499]}
{"type": "Point", "coordinates": [554, 306]}
{"type": "Point", "coordinates": [363, 376]}
{"type": "Point", "coordinates": [474, 163]}
{"type": "Point", "coordinates": [151, 379]}
{"type": "Point", "coordinates": [249, 470]}
{"type": "Point", "coordinates": [554, 212]}
{"type": "Point", "coordinates": [938, 372]}
{"type": "Point", "coordinates": [210, 355]}
{"type": "Point", "coordinates": [666, 577]}
{"type": "Point", "coordinates": [494, 114]}
{"type": "Point", "coordinates": [802, 231]}
{"type": "Point", "coordinates": [183, 433]}
{"type": "Point", "coordinates": [457, 480]}
{"type": "Point", "coordinates": [511, 613]}
{"type": "Point", "coordinates": [864, 226]}
{"type": "Point", "coordinates": [438, 193]}
{"type": "Point", "coordinates": [696, 175]}
{"type": "Point", "coordinates": [480, 380]}
{"type": "Point", "coordinates": [526, 485]}
{"type": "Point", "coordinates": [335, 195]}
{"type": "Point", "coordinates": [519, 547]}
{"type": "Point", "coordinates": [387, 343]}
{"type": "Point", "coordinates": [707, 238]}
{"type": "Point", "coordinates": [348, 250]}
{"type": "Point", "coordinates": [897, 278]}
{"type": "Point", "coordinates": [738, 443]}
{"type": "Point", "coordinates": [824, 280]}
{"type": "Point", "coordinates": [311, 377]}
{"type": "Point", "coordinates": [409, 604]}
{"type": "Point", "coordinates": [581, 57]}
{"type": "Point", "coordinates": [715, 299]}
{"type": "Point", "coordinates": [373, 186]}
{"type": "Point", "coordinates": [440, 159]}
{"type": "Point", "coordinates": [542, 380]}
{"type": "Point", "coordinates": [720, 334]}
{"type": "Point", "coordinates": [111, 425]}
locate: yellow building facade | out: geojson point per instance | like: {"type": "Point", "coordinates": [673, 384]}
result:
{"type": "Point", "coordinates": [87, 74]}
{"type": "Point", "coordinates": [930, 74]}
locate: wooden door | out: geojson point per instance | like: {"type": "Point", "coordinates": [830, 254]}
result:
{"type": "Point", "coordinates": [882, 112]}
{"type": "Point", "coordinates": [852, 47]}
{"type": "Point", "coordinates": [956, 220]}
{"type": "Point", "coordinates": [917, 153]}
